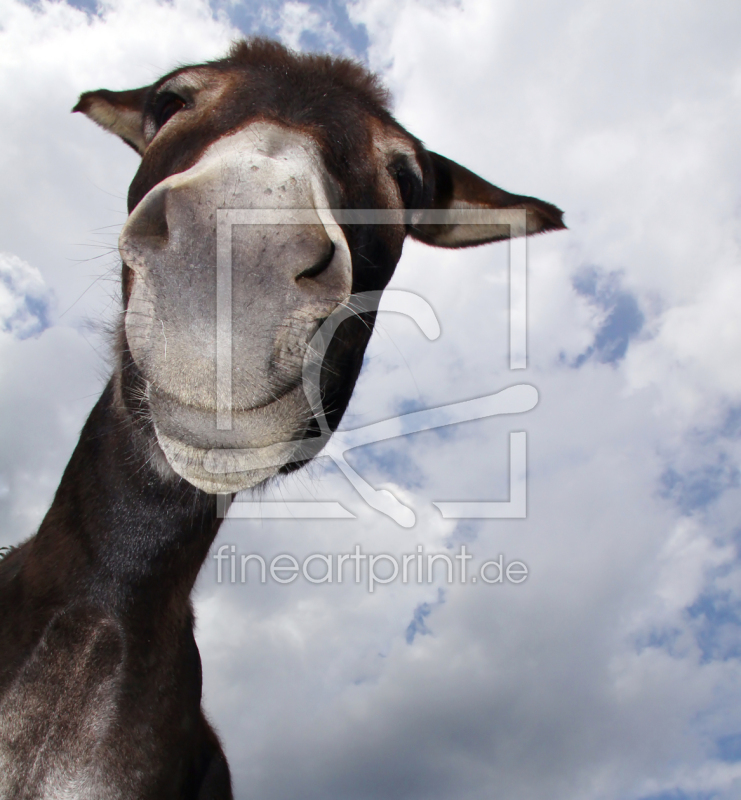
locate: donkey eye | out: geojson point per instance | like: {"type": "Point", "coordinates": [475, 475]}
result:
{"type": "Point", "coordinates": [409, 186]}
{"type": "Point", "coordinates": [167, 105]}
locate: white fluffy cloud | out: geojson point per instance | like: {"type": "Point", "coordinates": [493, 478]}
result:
{"type": "Point", "coordinates": [25, 301]}
{"type": "Point", "coordinates": [299, 20]}
{"type": "Point", "coordinates": [62, 202]}
{"type": "Point", "coordinates": [612, 671]}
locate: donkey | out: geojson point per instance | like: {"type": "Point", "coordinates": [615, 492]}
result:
{"type": "Point", "coordinates": [100, 676]}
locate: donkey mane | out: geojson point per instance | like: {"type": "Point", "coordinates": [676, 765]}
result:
{"type": "Point", "coordinates": [311, 71]}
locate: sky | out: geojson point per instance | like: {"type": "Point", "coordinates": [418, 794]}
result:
{"type": "Point", "coordinates": [612, 671]}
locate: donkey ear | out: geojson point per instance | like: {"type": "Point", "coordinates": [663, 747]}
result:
{"type": "Point", "coordinates": [121, 113]}
{"type": "Point", "coordinates": [457, 188]}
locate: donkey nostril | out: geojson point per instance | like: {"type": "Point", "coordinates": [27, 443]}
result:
{"type": "Point", "coordinates": [317, 268]}
{"type": "Point", "coordinates": [148, 221]}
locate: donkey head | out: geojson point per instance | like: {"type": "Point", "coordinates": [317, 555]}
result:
{"type": "Point", "coordinates": [308, 138]}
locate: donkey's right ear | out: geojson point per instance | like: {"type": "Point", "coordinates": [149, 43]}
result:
{"type": "Point", "coordinates": [459, 189]}
{"type": "Point", "coordinates": [121, 113]}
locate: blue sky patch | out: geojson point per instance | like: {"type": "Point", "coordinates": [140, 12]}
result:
{"type": "Point", "coordinates": [329, 27]}
{"type": "Point", "coordinates": [418, 625]}
{"type": "Point", "coordinates": [729, 748]}
{"type": "Point", "coordinates": [623, 318]}
{"type": "Point", "coordinates": [26, 302]}
{"type": "Point", "coordinates": [387, 462]}
{"type": "Point", "coordinates": [731, 427]}
{"type": "Point", "coordinates": [716, 623]}
{"type": "Point", "coordinates": [659, 638]}
{"type": "Point", "coordinates": [697, 488]}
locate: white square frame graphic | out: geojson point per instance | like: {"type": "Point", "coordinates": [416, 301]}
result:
{"type": "Point", "coordinates": [516, 506]}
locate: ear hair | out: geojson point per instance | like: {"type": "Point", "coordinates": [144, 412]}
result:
{"type": "Point", "coordinates": [121, 113]}
{"type": "Point", "coordinates": [455, 187]}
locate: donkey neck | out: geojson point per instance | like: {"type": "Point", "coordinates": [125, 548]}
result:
{"type": "Point", "coordinates": [118, 534]}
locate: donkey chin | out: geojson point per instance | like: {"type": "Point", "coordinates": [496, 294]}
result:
{"type": "Point", "coordinates": [259, 444]}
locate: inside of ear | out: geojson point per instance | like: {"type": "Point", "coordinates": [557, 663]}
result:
{"type": "Point", "coordinates": [460, 214]}
{"type": "Point", "coordinates": [121, 113]}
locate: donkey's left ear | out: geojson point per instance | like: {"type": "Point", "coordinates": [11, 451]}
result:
{"type": "Point", "coordinates": [457, 188]}
{"type": "Point", "coordinates": [121, 113]}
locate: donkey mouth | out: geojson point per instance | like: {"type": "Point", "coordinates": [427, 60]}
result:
{"type": "Point", "coordinates": [230, 451]}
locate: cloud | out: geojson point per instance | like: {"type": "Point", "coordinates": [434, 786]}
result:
{"type": "Point", "coordinates": [62, 202]}
{"type": "Point", "coordinates": [612, 671]}
{"type": "Point", "coordinates": [320, 25]}
{"type": "Point", "coordinates": [25, 300]}
{"type": "Point", "coordinates": [303, 27]}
